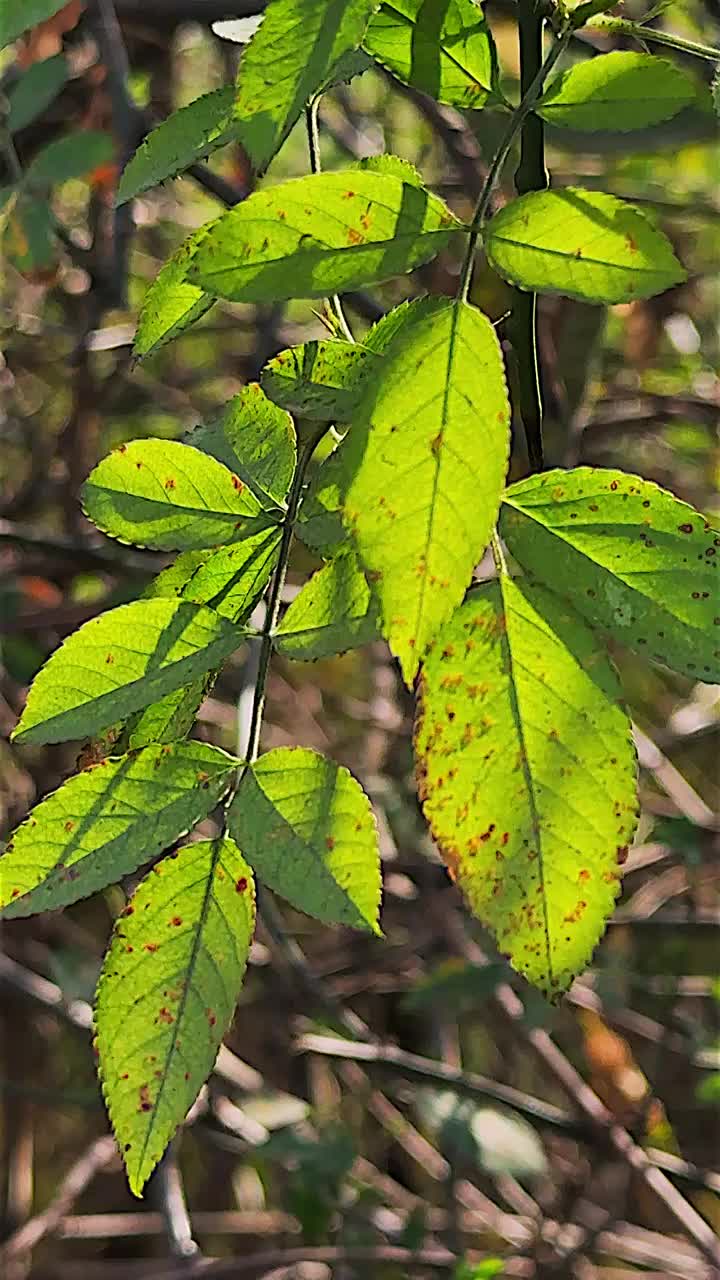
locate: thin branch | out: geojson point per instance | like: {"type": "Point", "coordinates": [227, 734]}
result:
{"type": "Point", "coordinates": [274, 1259]}
{"type": "Point", "coordinates": [95, 1158]}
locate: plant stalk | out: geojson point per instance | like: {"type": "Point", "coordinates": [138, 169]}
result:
{"type": "Point", "coordinates": [497, 165]}
{"type": "Point", "coordinates": [531, 175]}
{"type": "Point", "coordinates": [311, 124]}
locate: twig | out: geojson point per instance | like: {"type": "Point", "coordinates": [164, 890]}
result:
{"type": "Point", "coordinates": [274, 1259]}
{"type": "Point", "coordinates": [311, 123]}
{"type": "Point", "coordinates": [95, 1158]}
{"type": "Point", "coordinates": [166, 1189]}
{"type": "Point", "coordinates": [531, 175]}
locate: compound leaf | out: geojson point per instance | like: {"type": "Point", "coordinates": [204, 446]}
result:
{"type": "Point", "coordinates": [306, 827]}
{"type": "Point", "coordinates": [167, 495]}
{"type": "Point", "coordinates": [619, 91]}
{"type": "Point", "coordinates": [119, 662]}
{"type": "Point", "coordinates": [108, 820]}
{"type": "Point", "coordinates": [629, 556]}
{"type": "Point", "coordinates": [319, 235]}
{"type": "Point", "coordinates": [584, 244]}
{"type": "Point", "coordinates": [526, 772]}
{"type": "Point", "coordinates": [167, 993]}
{"type": "Point", "coordinates": [425, 472]}
{"type": "Point", "coordinates": [256, 439]}
{"type": "Point", "coordinates": [444, 49]}
{"type": "Point", "coordinates": [334, 612]}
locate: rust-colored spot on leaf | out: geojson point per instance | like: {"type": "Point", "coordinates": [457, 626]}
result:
{"type": "Point", "coordinates": [241, 885]}
{"type": "Point", "coordinates": [164, 1015]}
{"type": "Point", "coordinates": [176, 921]}
{"type": "Point", "coordinates": [685, 528]}
{"type": "Point", "coordinates": [170, 483]}
{"type": "Point", "coordinates": [150, 946]}
{"type": "Point", "coordinates": [354, 236]}
{"type": "Point", "coordinates": [237, 483]}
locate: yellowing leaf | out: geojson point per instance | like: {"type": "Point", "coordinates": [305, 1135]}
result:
{"type": "Point", "coordinates": [526, 772]}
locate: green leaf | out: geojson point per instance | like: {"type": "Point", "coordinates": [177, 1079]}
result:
{"type": "Point", "coordinates": [170, 718]}
{"type": "Point", "coordinates": [323, 380]}
{"type": "Point", "coordinates": [334, 612]}
{"type": "Point", "coordinates": [630, 557]}
{"type": "Point", "coordinates": [318, 380]}
{"type": "Point", "coordinates": [426, 470]}
{"type": "Point", "coordinates": [17, 16]}
{"type": "Point", "coordinates": [29, 239]}
{"type": "Point", "coordinates": [289, 58]}
{"type": "Point", "coordinates": [122, 661]}
{"type": "Point", "coordinates": [444, 48]}
{"type": "Point", "coordinates": [319, 520]}
{"type": "Point", "coordinates": [526, 773]}
{"type": "Point", "coordinates": [618, 91]}
{"type": "Point", "coordinates": [320, 235]}
{"type": "Point", "coordinates": [73, 156]}
{"type": "Point", "coordinates": [167, 994]}
{"type": "Point", "coordinates": [188, 135]}
{"type": "Point", "coordinates": [231, 581]}
{"type": "Point", "coordinates": [108, 820]}
{"type": "Point", "coordinates": [171, 304]}
{"type": "Point", "coordinates": [34, 91]}
{"type": "Point", "coordinates": [256, 439]}
{"type": "Point", "coordinates": [583, 244]}
{"type": "Point", "coordinates": [167, 495]}
{"type": "Point", "coordinates": [306, 827]}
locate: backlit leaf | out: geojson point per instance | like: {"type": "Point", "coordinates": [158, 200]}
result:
{"type": "Point", "coordinates": [323, 380]}
{"type": "Point", "coordinates": [106, 821]}
{"type": "Point", "coordinates": [306, 827]}
{"type": "Point", "coordinates": [584, 244]}
{"type": "Point", "coordinates": [188, 135]}
{"type": "Point", "coordinates": [256, 439]}
{"type": "Point", "coordinates": [526, 773]}
{"type": "Point", "coordinates": [167, 495]}
{"type": "Point", "coordinates": [445, 48]}
{"type": "Point", "coordinates": [334, 612]}
{"type": "Point", "coordinates": [620, 91]}
{"type": "Point", "coordinates": [171, 304]}
{"type": "Point", "coordinates": [630, 557]}
{"type": "Point", "coordinates": [321, 234]}
{"type": "Point", "coordinates": [288, 59]}
{"type": "Point", "coordinates": [29, 240]}
{"type": "Point", "coordinates": [167, 994]}
{"type": "Point", "coordinates": [424, 468]}
{"type": "Point", "coordinates": [122, 661]}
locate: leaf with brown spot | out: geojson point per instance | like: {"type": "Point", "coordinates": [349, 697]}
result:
{"type": "Point", "coordinates": [528, 820]}
{"type": "Point", "coordinates": [173, 1001]}
{"type": "Point", "coordinates": [629, 556]}
{"type": "Point", "coordinates": [104, 823]}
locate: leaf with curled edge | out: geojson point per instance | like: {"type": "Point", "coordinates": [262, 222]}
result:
{"type": "Point", "coordinates": [526, 773]}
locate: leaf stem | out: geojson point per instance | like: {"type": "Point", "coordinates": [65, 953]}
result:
{"type": "Point", "coordinates": [531, 175]}
{"type": "Point", "coordinates": [313, 135]}
{"type": "Point", "coordinates": [522, 110]}
{"type": "Point", "coordinates": [272, 611]}
{"type": "Point", "coordinates": [623, 27]}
